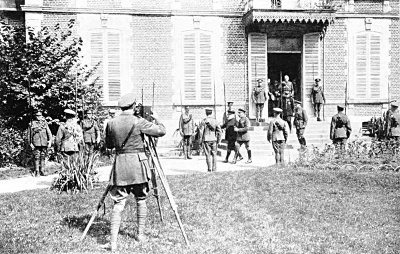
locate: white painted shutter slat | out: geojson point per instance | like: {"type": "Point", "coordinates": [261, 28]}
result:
{"type": "Point", "coordinates": [189, 66]}
{"type": "Point", "coordinates": [114, 66]}
{"type": "Point", "coordinates": [96, 55]}
{"type": "Point", "coordinates": [361, 66]}
{"type": "Point", "coordinates": [206, 86]}
{"type": "Point", "coordinates": [375, 66]}
{"type": "Point", "coordinates": [258, 58]}
{"type": "Point", "coordinates": [311, 66]}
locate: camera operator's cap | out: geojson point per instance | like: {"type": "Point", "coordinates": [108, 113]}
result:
{"type": "Point", "coordinates": [340, 107]}
{"type": "Point", "coordinates": [208, 110]}
{"type": "Point", "coordinates": [231, 112]}
{"type": "Point", "coordinates": [126, 100]}
{"type": "Point", "coordinates": [317, 80]}
{"type": "Point", "coordinates": [241, 110]}
{"type": "Point", "coordinates": [395, 104]}
{"type": "Point", "coordinates": [277, 110]}
{"type": "Point", "coordinates": [69, 112]}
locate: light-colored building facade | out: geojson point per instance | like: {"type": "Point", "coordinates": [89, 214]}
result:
{"type": "Point", "coordinates": [204, 53]}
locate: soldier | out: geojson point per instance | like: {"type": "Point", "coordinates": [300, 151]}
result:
{"type": "Point", "coordinates": [186, 129]}
{"type": "Point", "coordinates": [39, 138]}
{"type": "Point", "coordinates": [243, 137]}
{"type": "Point", "coordinates": [317, 98]}
{"type": "Point", "coordinates": [340, 129]}
{"type": "Point", "coordinates": [259, 97]}
{"type": "Point", "coordinates": [278, 132]}
{"type": "Point", "coordinates": [111, 115]}
{"type": "Point", "coordinates": [91, 133]}
{"type": "Point", "coordinates": [300, 123]}
{"type": "Point", "coordinates": [230, 134]}
{"type": "Point", "coordinates": [287, 100]}
{"type": "Point", "coordinates": [210, 136]}
{"type": "Point", "coordinates": [393, 120]}
{"type": "Point", "coordinates": [69, 135]}
{"type": "Point", "coordinates": [225, 117]}
{"type": "Point", "coordinates": [130, 172]}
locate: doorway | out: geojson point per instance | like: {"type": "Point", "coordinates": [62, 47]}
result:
{"type": "Point", "coordinates": [285, 64]}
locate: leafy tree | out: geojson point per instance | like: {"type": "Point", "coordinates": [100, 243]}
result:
{"type": "Point", "coordinates": [43, 71]}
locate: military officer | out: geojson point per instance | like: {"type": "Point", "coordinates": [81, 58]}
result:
{"type": "Point", "coordinates": [300, 123]}
{"type": "Point", "coordinates": [39, 138]}
{"type": "Point", "coordinates": [393, 120]}
{"type": "Point", "coordinates": [340, 129]}
{"type": "Point", "coordinates": [69, 135]}
{"type": "Point", "coordinates": [130, 172]}
{"type": "Point", "coordinates": [278, 132]}
{"type": "Point", "coordinates": [230, 133]}
{"type": "Point", "coordinates": [317, 98]}
{"type": "Point", "coordinates": [243, 136]}
{"type": "Point", "coordinates": [287, 103]}
{"type": "Point", "coordinates": [259, 97]}
{"type": "Point", "coordinates": [91, 133]}
{"type": "Point", "coordinates": [186, 129]}
{"type": "Point", "coordinates": [210, 136]}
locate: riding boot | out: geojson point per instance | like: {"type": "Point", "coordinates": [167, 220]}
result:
{"type": "Point", "coordinates": [115, 223]}
{"type": "Point", "coordinates": [228, 153]}
{"type": "Point", "coordinates": [141, 219]}
{"type": "Point", "coordinates": [189, 152]}
{"type": "Point", "coordinates": [37, 166]}
{"type": "Point", "coordinates": [249, 156]}
{"type": "Point", "coordinates": [41, 166]}
{"type": "Point", "coordinates": [185, 151]}
{"type": "Point", "coordinates": [235, 158]}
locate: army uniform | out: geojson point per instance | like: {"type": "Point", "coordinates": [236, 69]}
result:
{"type": "Point", "coordinates": [230, 133]}
{"type": "Point", "coordinates": [210, 136]}
{"type": "Point", "coordinates": [259, 97]}
{"type": "Point", "coordinates": [130, 172]}
{"type": "Point", "coordinates": [287, 102]}
{"type": "Point", "coordinates": [300, 123]}
{"type": "Point", "coordinates": [393, 122]}
{"type": "Point", "coordinates": [91, 134]}
{"type": "Point", "coordinates": [186, 128]}
{"type": "Point", "coordinates": [340, 129]}
{"type": "Point", "coordinates": [69, 135]}
{"type": "Point", "coordinates": [278, 132]}
{"type": "Point", "coordinates": [39, 137]}
{"type": "Point", "coordinates": [243, 136]}
{"type": "Point", "coordinates": [317, 98]}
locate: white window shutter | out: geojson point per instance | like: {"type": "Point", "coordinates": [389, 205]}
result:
{"type": "Point", "coordinates": [189, 66]}
{"type": "Point", "coordinates": [96, 55]}
{"type": "Point", "coordinates": [361, 66]}
{"type": "Point", "coordinates": [375, 66]}
{"type": "Point", "coordinates": [114, 68]}
{"type": "Point", "coordinates": [311, 66]}
{"type": "Point", "coordinates": [205, 71]}
{"type": "Point", "coordinates": [258, 61]}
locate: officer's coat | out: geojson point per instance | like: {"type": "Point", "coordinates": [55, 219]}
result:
{"type": "Point", "coordinates": [130, 164]}
{"type": "Point", "coordinates": [69, 135]}
{"type": "Point", "coordinates": [186, 124]}
{"type": "Point", "coordinates": [278, 130]}
{"type": "Point", "coordinates": [209, 130]}
{"type": "Point", "coordinates": [243, 129]}
{"type": "Point", "coordinates": [337, 131]}
{"type": "Point", "coordinates": [259, 95]}
{"type": "Point", "coordinates": [39, 133]}
{"type": "Point", "coordinates": [91, 130]}
{"type": "Point", "coordinates": [317, 94]}
{"type": "Point", "coordinates": [300, 118]}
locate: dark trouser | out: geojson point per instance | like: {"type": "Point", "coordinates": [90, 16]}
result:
{"type": "Point", "coordinates": [39, 154]}
{"type": "Point", "coordinates": [288, 119]}
{"type": "Point", "coordinates": [187, 143]}
{"type": "Point", "coordinates": [231, 147]}
{"type": "Point", "coordinates": [396, 138]}
{"type": "Point", "coordinates": [89, 148]}
{"type": "Point", "coordinates": [300, 136]}
{"type": "Point", "coordinates": [259, 109]}
{"type": "Point", "coordinates": [238, 144]}
{"type": "Point", "coordinates": [279, 149]}
{"type": "Point", "coordinates": [210, 150]}
{"type": "Point", "coordinates": [340, 144]}
{"type": "Point", "coordinates": [317, 109]}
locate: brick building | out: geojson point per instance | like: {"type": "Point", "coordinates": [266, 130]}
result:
{"type": "Point", "coordinates": [203, 53]}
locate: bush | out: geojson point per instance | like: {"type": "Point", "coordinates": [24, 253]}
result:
{"type": "Point", "coordinates": [77, 173]}
{"type": "Point", "coordinates": [12, 145]}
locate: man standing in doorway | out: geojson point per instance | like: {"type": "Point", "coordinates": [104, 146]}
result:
{"type": "Point", "coordinates": [243, 136]}
{"type": "Point", "coordinates": [300, 123]}
{"type": "Point", "coordinates": [259, 97]}
{"type": "Point", "coordinates": [340, 129]}
{"type": "Point", "coordinates": [210, 136]}
{"type": "Point", "coordinates": [186, 129]}
{"type": "Point", "coordinates": [317, 98]}
{"type": "Point", "coordinates": [278, 132]}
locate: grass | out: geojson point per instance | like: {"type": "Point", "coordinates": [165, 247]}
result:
{"type": "Point", "coordinates": [259, 211]}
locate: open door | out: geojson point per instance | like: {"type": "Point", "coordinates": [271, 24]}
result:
{"type": "Point", "coordinates": [257, 68]}
{"type": "Point", "coordinates": [312, 65]}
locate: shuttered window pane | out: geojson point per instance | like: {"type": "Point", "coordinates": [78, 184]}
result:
{"type": "Point", "coordinates": [258, 57]}
{"type": "Point", "coordinates": [96, 55]}
{"type": "Point", "coordinates": [205, 67]}
{"type": "Point", "coordinates": [114, 75]}
{"type": "Point", "coordinates": [311, 61]}
{"type": "Point", "coordinates": [361, 66]}
{"type": "Point", "coordinates": [375, 66]}
{"type": "Point", "coordinates": [189, 63]}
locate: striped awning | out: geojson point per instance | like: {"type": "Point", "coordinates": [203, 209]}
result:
{"type": "Point", "coordinates": [279, 15]}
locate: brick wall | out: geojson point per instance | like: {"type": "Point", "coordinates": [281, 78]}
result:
{"type": "Point", "coordinates": [368, 5]}
{"type": "Point", "coordinates": [231, 5]}
{"type": "Point", "coordinates": [367, 110]}
{"type": "Point", "coordinates": [235, 60]}
{"type": "Point", "coordinates": [197, 5]}
{"type": "Point", "coordinates": [394, 4]}
{"type": "Point", "coordinates": [57, 3]}
{"type": "Point", "coordinates": [395, 59]}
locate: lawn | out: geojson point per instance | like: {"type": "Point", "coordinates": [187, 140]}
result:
{"type": "Point", "coordinates": [260, 211]}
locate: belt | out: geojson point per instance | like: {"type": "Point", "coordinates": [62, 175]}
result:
{"type": "Point", "coordinates": [133, 150]}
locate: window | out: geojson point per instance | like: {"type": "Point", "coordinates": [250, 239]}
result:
{"type": "Point", "coordinates": [368, 65]}
{"type": "Point", "coordinates": [197, 67]}
{"type": "Point", "coordinates": [105, 49]}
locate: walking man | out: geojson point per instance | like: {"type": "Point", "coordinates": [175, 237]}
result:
{"type": "Point", "coordinates": [317, 98]}
{"type": "Point", "coordinates": [300, 123]}
{"type": "Point", "coordinates": [259, 97]}
{"type": "Point", "coordinates": [131, 171]}
{"type": "Point", "coordinates": [278, 132]}
{"type": "Point", "coordinates": [91, 133]}
{"type": "Point", "coordinates": [340, 129]}
{"type": "Point", "coordinates": [393, 121]}
{"type": "Point", "coordinates": [230, 134]}
{"type": "Point", "coordinates": [225, 117]}
{"type": "Point", "coordinates": [39, 138]}
{"type": "Point", "coordinates": [186, 129]}
{"type": "Point", "coordinates": [243, 137]}
{"type": "Point", "coordinates": [210, 136]}
{"type": "Point", "coordinates": [69, 135]}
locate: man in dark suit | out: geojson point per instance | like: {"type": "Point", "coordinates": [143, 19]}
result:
{"type": "Point", "coordinates": [131, 171]}
{"type": "Point", "coordinates": [340, 129]}
{"type": "Point", "coordinates": [210, 136]}
{"type": "Point", "coordinates": [230, 133]}
{"type": "Point", "coordinates": [243, 136]}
